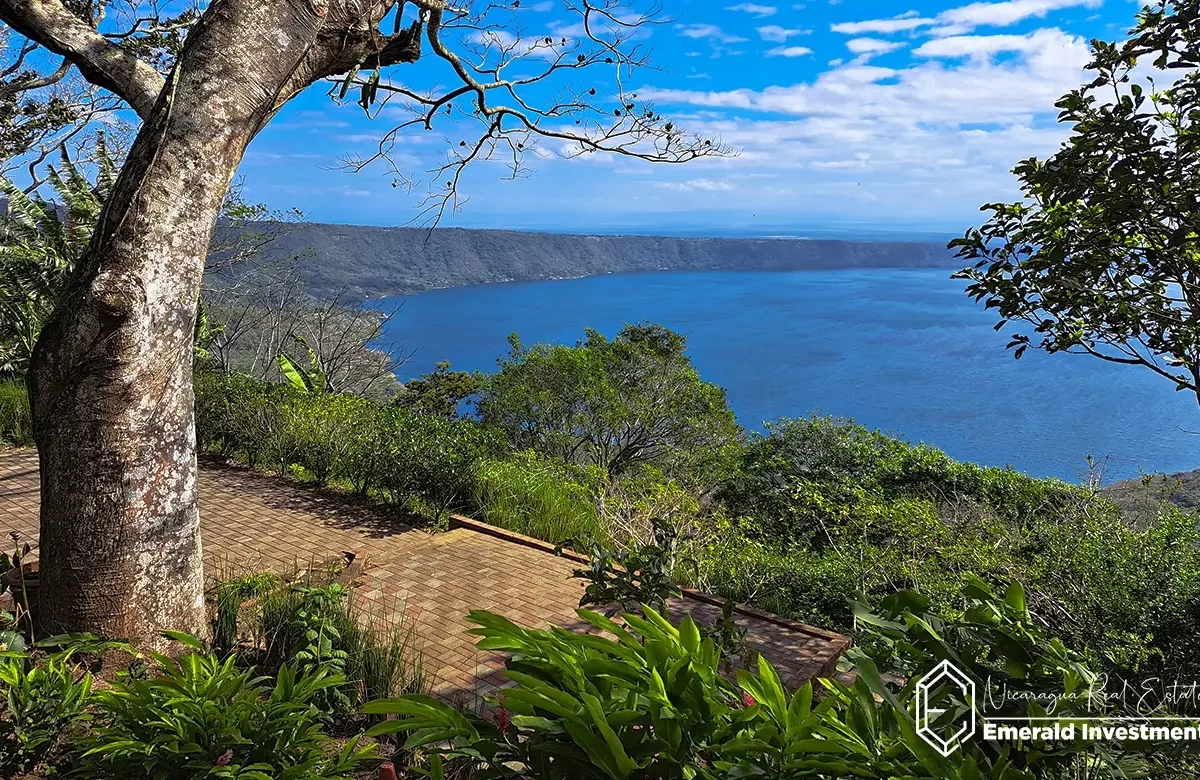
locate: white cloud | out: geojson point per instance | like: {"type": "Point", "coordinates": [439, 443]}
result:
{"type": "Point", "coordinates": [902, 23]}
{"type": "Point", "coordinates": [956, 21]}
{"type": "Point", "coordinates": [703, 185]}
{"type": "Point", "coordinates": [986, 45]}
{"type": "Point", "coordinates": [871, 46]}
{"type": "Point", "coordinates": [925, 139]}
{"type": "Point", "coordinates": [789, 51]}
{"type": "Point", "coordinates": [952, 122]}
{"type": "Point", "coordinates": [777, 34]}
{"type": "Point", "coordinates": [1009, 12]}
{"type": "Point", "coordinates": [709, 31]}
{"type": "Point", "coordinates": [761, 11]}
{"type": "Point", "coordinates": [928, 92]}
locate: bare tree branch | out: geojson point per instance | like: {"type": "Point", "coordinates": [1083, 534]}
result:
{"type": "Point", "coordinates": [494, 62]}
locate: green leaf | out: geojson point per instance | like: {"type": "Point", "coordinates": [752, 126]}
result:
{"type": "Point", "coordinates": [186, 640]}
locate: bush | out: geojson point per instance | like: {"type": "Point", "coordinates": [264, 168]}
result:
{"type": "Point", "coordinates": [320, 432]}
{"type": "Point", "coordinates": [239, 415]}
{"type": "Point", "coordinates": [42, 698]}
{"type": "Point", "coordinates": [824, 507]}
{"type": "Point", "coordinates": [838, 460]}
{"type": "Point", "coordinates": [198, 716]}
{"type": "Point", "coordinates": [1130, 597]}
{"type": "Point", "coordinates": [306, 624]}
{"type": "Point", "coordinates": [801, 584]}
{"type": "Point", "coordinates": [433, 459]}
{"type": "Point", "coordinates": [584, 707]}
{"type": "Point", "coordinates": [16, 421]}
{"type": "Point", "coordinates": [648, 701]}
{"type": "Point", "coordinates": [366, 459]}
{"type": "Point", "coordinates": [402, 454]}
{"type": "Point", "coordinates": [640, 574]}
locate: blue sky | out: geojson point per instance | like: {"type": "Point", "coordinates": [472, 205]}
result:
{"type": "Point", "coordinates": [855, 114]}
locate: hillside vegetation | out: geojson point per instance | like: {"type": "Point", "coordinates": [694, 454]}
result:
{"type": "Point", "coordinates": [371, 262]}
{"type": "Point", "coordinates": [618, 447]}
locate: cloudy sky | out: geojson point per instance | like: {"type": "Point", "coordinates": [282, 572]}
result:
{"type": "Point", "coordinates": [852, 114]}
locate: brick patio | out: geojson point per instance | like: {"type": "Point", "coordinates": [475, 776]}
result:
{"type": "Point", "coordinates": [256, 522]}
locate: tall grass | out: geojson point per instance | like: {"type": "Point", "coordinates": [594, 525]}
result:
{"type": "Point", "coordinates": [16, 422]}
{"type": "Point", "coordinates": [533, 497]}
{"type": "Point", "coordinates": [383, 658]}
{"type": "Point", "coordinates": [230, 597]}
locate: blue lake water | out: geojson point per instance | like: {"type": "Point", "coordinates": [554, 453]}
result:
{"type": "Point", "coordinates": [902, 350]}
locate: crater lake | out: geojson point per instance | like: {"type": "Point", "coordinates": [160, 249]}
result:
{"type": "Point", "coordinates": [902, 350]}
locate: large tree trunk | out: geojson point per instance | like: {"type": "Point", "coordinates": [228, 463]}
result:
{"type": "Point", "coordinates": [111, 384]}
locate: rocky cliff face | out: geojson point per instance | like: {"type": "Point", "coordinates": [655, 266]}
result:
{"type": "Point", "coordinates": [371, 262]}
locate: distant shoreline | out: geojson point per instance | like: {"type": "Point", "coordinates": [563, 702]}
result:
{"type": "Point", "coordinates": [370, 263]}
{"type": "Point", "coordinates": [640, 272]}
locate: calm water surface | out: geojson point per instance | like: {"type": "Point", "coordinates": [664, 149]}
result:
{"type": "Point", "coordinates": [901, 350]}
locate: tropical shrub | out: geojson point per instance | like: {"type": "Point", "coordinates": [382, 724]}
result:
{"type": "Point", "coordinates": [784, 474]}
{"type": "Point", "coordinates": [198, 716]}
{"type": "Point", "coordinates": [434, 459]}
{"type": "Point", "coordinates": [312, 625]}
{"type": "Point", "coordinates": [1129, 596]}
{"type": "Point", "coordinates": [816, 509]}
{"type": "Point", "coordinates": [799, 584]}
{"type": "Point", "coordinates": [583, 707]}
{"type": "Point", "coordinates": [640, 574]}
{"type": "Point", "coordinates": [366, 459]}
{"type": "Point", "coordinates": [320, 429]}
{"type": "Point", "coordinates": [401, 454]}
{"type": "Point", "coordinates": [242, 416]}
{"type": "Point", "coordinates": [648, 701]}
{"type": "Point", "coordinates": [43, 696]}
{"type": "Point", "coordinates": [319, 640]}
{"type": "Point", "coordinates": [823, 507]}
{"type": "Point", "coordinates": [16, 421]}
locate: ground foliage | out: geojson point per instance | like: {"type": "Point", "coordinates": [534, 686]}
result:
{"type": "Point", "coordinates": [792, 519]}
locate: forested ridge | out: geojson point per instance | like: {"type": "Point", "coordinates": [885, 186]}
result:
{"type": "Point", "coordinates": [367, 262]}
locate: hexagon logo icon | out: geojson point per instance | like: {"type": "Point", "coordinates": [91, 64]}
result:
{"type": "Point", "coordinates": [938, 693]}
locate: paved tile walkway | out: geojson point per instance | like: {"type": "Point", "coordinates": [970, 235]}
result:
{"type": "Point", "coordinates": [256, 522]}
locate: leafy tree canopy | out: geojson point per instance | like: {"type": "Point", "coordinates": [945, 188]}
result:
{"type": "Point", "coordinates": [615, 404]}
{"type": "Point", "coordinates": [440, 392]}
{"type": "Point", "coordinates": [1102, 256]}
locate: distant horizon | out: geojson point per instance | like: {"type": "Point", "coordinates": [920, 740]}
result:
{"type": "Point", "coordinates": [795, 231]}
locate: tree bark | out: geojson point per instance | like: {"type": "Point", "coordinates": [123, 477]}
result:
{"type": "Point", "coordinates": [111, 384]}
